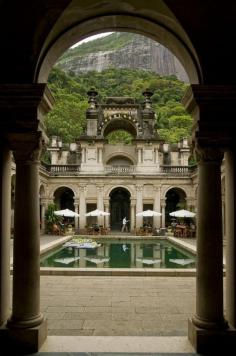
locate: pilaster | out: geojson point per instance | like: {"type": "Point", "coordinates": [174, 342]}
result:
{"type": "Point", "coordinates": [163, 212]}
{"type": "Point", "coordinates": [139, 204]}
{"type": "Point", "coordinates": [100, 204]}
{"type": "Point", "coordinates": [82, 206]}
{"type": "Point", "coordinates": [42, 217]}
{"type": "Point", "coordinates": [157, 206]}
{"type": "Point", "coordinates": [76, 205]}
{"type": "Point", "coordinates": [132, 215]}
{"type": "Point", "coordinates": [5, 224]}
{"type": "Point", "coordinates": [107, 217]}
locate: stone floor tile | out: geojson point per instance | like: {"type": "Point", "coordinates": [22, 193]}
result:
{"type": "Point", "coordinates": [64, 324]}
{"type": "Point", "coordinates": [87, 316]}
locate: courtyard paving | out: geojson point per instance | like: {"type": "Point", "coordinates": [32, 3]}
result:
{"type": "Point", "coordinates": [116, 305]}
{"type": "Point", "coordinates": [125, 306]}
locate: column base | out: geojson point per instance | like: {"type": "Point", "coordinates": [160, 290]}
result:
{"type": "Point", "coordinates": [211, 341]}
{"type": "Point", "coordinates": [25, 341]}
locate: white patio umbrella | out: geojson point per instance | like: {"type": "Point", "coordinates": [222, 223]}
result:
{"type": "Point", "coordinates": [97, 212]}
{"type": "Point", "coordinates": [148, 213]}
{"type": "Point", "coordinates": [66, 213]}
{"type": "Point", "coordinates": [97, 259]}
{"type": "Point", "coordinates": [182, 214]}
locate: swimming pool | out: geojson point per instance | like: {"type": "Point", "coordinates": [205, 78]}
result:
{"type": "Point", "coordinates": [121, 254]}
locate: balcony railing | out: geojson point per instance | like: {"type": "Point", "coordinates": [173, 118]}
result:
{"type": "Point", "coordinates": [61, 169]}
{"type": "Point", "coordinates": [177, 170]}
{"type": "Point", "coordinates": [74, 169]}
{"type": "Point", "coordinates": [119, 170]}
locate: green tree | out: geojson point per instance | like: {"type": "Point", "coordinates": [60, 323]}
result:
{"type": "Point", "coordinates": [67, 118]}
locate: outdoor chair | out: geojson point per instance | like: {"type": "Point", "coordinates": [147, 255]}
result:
{"type": "Point", "coordinates": [177, 232]}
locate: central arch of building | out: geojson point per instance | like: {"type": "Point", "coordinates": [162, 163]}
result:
{"type": "Point", "coordinates": [119, 207]}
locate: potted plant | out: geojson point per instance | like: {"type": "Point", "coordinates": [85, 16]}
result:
{"type": "Point", "coordinates": [51, 218]}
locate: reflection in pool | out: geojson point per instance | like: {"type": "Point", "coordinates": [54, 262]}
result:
{"type": "Point", "coordinates": [120, 254]}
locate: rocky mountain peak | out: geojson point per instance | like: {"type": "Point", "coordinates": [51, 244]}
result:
{"type": "Point", "coordinates": [122, 50]}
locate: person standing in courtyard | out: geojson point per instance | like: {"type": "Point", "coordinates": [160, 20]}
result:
{"type": "Point", "coordinates": [124, 225]}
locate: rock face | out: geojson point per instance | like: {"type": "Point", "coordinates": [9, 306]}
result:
{"type": "Point", "coordinates": [138, 53]}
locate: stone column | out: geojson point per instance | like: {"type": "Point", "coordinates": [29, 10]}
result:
{"type": "Point", "coordinates": [76, 205]}
{"type": "Point", "coordinates": [100, 204]}
{"type": "Point", "coordinates": [100, 154]}
{"type": "Point", "coordinates": [157, 206]}
{"type": "Point", "coordinates": [139, 205]}
{"type": "Point", "coordinates": [22, 108]}
{"type": "Point", "coordinates": [107, 218]}
{"type": "Point", "coordinates": [26, 291]}
{"type": "Point", "coordinates": [132, 216]}
{"type": "Point", "coordinates": [139, 155]}
{"type": "Point", "coordinates": [43, 209]}
{"type": "Point", "coordinates": [230, 189]}
{"type": "Point", "coordinates": [5, 229]}
{"type": "Point", "coordinates": [82, 207]}
{"type": "Point", "coordinates": [163, 212]}
{"type": "Point", "coordinates": [212, 107]}
{"type": "Point", "coordinates": [209, 285]}
{"type": "Point", "coordinates": [83, 155]}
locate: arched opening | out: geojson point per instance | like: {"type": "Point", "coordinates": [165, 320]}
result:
{"type": "Point", "coordinates": [120, 124]}
{"type": "Point", "coordinates": [175, 200]}
{"type": "Point", "coordinates": [119, 207]}
{"type": "Point", "coordinates": [64, 198]}
{"type": "Point", "coordinates": [120, 161]}
{"type": "Point", "coordinates": [119, 197]}
{"type": "Point", "coordinates": [159, 31]}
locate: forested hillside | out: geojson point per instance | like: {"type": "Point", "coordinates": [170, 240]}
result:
{"type": "Point", "coordinates": [68, 115]}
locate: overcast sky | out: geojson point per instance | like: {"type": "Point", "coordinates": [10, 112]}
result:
{"type": "Point", "coordinates": [91, 38]}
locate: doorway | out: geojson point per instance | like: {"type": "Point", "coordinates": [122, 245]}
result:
{"type": "Point", "coordinates": [119, 208]}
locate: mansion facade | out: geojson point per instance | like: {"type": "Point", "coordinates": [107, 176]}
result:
{"type": "Point", "coordinates": [123, 179]}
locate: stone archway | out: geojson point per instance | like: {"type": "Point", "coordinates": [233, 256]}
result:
{"type": "Point", "coordinates": [175, 199]}
{"type": "Point", "coordinates": [119, 207]}
{"type": "Point", "coordinates": [64, 198]}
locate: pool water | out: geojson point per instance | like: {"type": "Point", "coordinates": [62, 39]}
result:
{"type": "Point", "coordinates": [120, 254]}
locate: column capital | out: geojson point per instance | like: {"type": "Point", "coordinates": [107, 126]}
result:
{"type": "Point", "coordinates": [43, 202]}
{"type": "Point", "coordinates": [83, 187]}
{"type": "Point", "coordinates": [208, 97]}
{"type": "Point", "coordinates": [100, 187]}
{"type": "Point", "coordinates": [156, 188]}
{"type": "Point", "coordinates": [212, 107]}
{"type": "Point", "coordinates": [26, 147]}
{"type": "Point", "coordinates": [28, 102]}
{"type": "Point", "coordinates": [208, 154]}
{"type": "Point", "coordinates": [139, 187]}
{"type": "Point", "coordinates": [163, 202]}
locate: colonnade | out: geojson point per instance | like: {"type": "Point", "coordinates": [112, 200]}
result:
{"type": "Point", "coordinates": [136, 206]}
{"type": "Point", "coordinates": [209, 328]}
